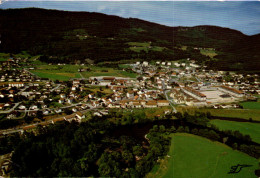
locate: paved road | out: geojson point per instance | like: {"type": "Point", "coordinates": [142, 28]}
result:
{"type": "Point", "coordinates": [10, 110]}
{"type": "Point", "coordinates": [55, 87]}
{"type": "Point", "coordinates": [197, 79]}
{"type": "Point", "coordinates": [23, 90]}
{"type": "Point", "coordinates": [165, 93]}
{"type": "Point", "coordinates": [20, 128]}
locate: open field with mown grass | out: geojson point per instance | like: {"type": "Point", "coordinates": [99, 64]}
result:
{"type": "Point", "coordinates": [66, 72]}
{"type": "Point", "coordinates": [235, 113]}
{"type": "Point", "coordinates": [250, 105]}
{"type": "Point", "coordinates": [55, 72]}
{"type": "Point", "coordinates": [246, 128]}
{"type": "Point", "coordinates": [198, 157]}
{"type": "Point", "coordinates": [95, 89]}
{"type": "Point", "coordinates": [103, 71]}
{"type": "Point", "coordinates": [138, 47]}
{"type": "Point", "coordinates": [208, 52]}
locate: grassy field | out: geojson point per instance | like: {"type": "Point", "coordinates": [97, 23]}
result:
{"type": "Point", "coordinates": [137, 47]}
{"type": "Point", "coordinates": [236, 113]}
{"type": "Point", "coordinates": [252, 129]}
{"type": "Point", "coordinates": [106, 91]}
{"type": "Point", "coordinates": [197, 157]}
{"type": "Point", "coordinates": [55, 72]}
{"type": "Point", "coordinates": [208, 52]}
{"type": "Point", "coordinates": [251, 105]}
{"type": "Point", "coordinates": [103, 71]}
{"type": "Point", "coordinates": [66, 72]}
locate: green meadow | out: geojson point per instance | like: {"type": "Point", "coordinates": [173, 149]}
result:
{"type": "Point", "coordinates": [208, 52]}
{"type": "Point", "coordinates": [68, 71]}
{"type": "Point", "coordinates": [233, 113]}
{"type": "Point", "coordinates": [138, 47]}
{"type": "Point", "coordinates": [55, 72]}
{"type": "Point", "coordinates": [246, 128]}
{"type": "Point", "coordinates": [198, 157]}
{"type": "Point", "coordinates": [251, 105]}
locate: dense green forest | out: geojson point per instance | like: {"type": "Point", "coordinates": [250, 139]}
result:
{"type": "Point", "coordinates": [61, 36]}
{"type": "Point", "coordinates": [121, 144]}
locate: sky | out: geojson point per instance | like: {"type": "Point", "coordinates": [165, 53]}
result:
{"type": "Point", "coordinates": [240, 15]}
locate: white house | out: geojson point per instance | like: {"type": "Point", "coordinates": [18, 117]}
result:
{"type": "Point", "coordinates": [16, 84]}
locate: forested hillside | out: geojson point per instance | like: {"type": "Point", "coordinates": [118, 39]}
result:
{"type": "Point", "coordinates": [62, 36]}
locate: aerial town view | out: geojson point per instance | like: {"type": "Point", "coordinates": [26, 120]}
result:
{"type": "Point", "coordinates": [130, 89]}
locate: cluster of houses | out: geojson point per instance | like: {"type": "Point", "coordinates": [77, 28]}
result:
{"type": "Point", "coordinates": [193, 85]}
{"type": "Point", "coordinates": [185, 82]}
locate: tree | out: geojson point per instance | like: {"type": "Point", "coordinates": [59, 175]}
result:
{"type": "Point", "coordinates": [187, 130]}
{"type": "Point", "coordinates": [173, 129]}
{"type": "Point", "coordinates": [195, 131]}
{"type": "Point", "coordinates": [128, 156]}
{"type": "Point", "coordinates": [180, 129]}
{"type": "Point", "coordinates": [108, 166]}
{"type": "Point", "coordinates": [138, 150]}
{"type": "Point", "coordinates": [67, 111]}
{"type": "Point", "coordinates": [155, 128]}
{"type": "Point", "coordinates": [39, 114]}
{"type": "Point", "coordinates": [162, 129]}
{"type": "Point", "coordinates": [234, 146]}
{"type": "Point", "coordinates": [208, 114]}
{"type": "Point", "coordinates": [213, 135]}
{"type": "Point", "coordinates": [28, 119]}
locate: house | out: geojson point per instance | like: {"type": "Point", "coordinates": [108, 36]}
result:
{"type": "Point", "coordinates": [70, 100]}
{"type": "Point", "coordinates": [97, 114]}
{"type": "Point", "coordinates": [117, 98]}
{"type": "Point", "coordinates": [46, 112]}
{"type": "Point", "coordinates": [173, 74]}
{"type": "Point", "coordinates": [33, 107]}
{"type": "Point", "coordinates": [61, 100]}
{"type": "Point", "coordinates": [194, 93]}
{"type": "Point", "coordinates": [76, 82]}
{"type": "Point", "coordinates": [73, 88]}
{"type": "Point", "coordinates": [111, 79]}
{"type": "Point", "coordinates": [22, 107]}
{"type": "Point", "coordinates": [151, 104]}
{"type": "Point", "coordinates": [58, 110]}
{"type": "Point", "coordinates": [79, 115]}
{"type": "Point", "coordinates": [163, 103]}
{"type": "Point", "coordinates": [1, 106]}
{"type": "Point", "coordinates": [58, 119]}
{"type": "Point", "coordinates": [145, 64]}
{"type": "Point", "coordinates": [62, 95]}
{"type": "Point", "coordinates": [92, 95]}
{"type": "Point", "coordinates": [136, 105]}
{"type": "Point", "coordinates": [231, 91]}
{"type": "Point", "coordinates": [130, 94]}
{"type": "Point", "coordinates": [16, 84]}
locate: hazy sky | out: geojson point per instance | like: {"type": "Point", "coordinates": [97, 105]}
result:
{"type": "Point", "coordinates": [241, 15]}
